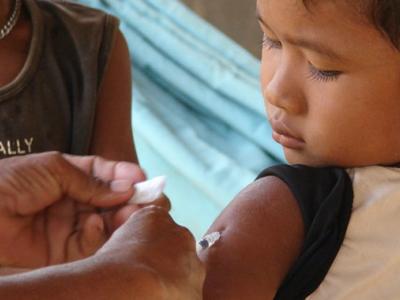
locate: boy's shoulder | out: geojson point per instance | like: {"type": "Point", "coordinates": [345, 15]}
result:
{"type": "Point", "coordinates": [261, 235]}
{"type": "Point", "coordinates": [291, 216]}
{"type": "Point", "coordinates": [317, 190]}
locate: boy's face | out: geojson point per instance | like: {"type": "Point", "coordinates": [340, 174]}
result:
{"type": "Point", "coordinates": [331, 84]}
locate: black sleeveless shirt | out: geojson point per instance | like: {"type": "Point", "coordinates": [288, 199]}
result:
{"type": "Point", "coordinates": [51, 104]}
{"type": "Point", "coordinates": [325, 198]}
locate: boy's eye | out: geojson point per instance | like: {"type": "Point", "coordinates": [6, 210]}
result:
{"type": "Point", "coordinates": [270, 44]}
{"type": "Point", "coordinates": [315, 73]}
{"type": "Point", "coordinates": [323, 75]}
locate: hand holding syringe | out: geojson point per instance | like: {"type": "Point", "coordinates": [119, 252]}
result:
{"type": "Point", "coordinates": [145, 193]}
{"type": "Point", "coordinates": [150, 190]}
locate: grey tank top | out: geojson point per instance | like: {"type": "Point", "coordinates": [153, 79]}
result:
{"type": "Point", "coordinates": [51, 104]}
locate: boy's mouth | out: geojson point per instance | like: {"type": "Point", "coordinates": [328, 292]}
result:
{"type": "Point", "coordinates": [282, 135]}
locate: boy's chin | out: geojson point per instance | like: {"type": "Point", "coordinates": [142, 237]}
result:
{"type": "Point", "coordinates": [301, 158]}
{"type": "Point", "coordinates": [314, 161]}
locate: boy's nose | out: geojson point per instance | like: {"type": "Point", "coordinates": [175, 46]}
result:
{"type": "Point", "coordinates": [282, 91]}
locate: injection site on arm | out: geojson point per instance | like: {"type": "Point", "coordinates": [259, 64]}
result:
{"type": "Point", "coordinates": [261, 234]}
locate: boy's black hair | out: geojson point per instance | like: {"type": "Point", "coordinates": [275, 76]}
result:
{"type": "Point", "coordinates": [384, 14]}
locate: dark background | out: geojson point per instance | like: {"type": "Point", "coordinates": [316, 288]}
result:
{"type": "Point", "coordinates": [236, 18]}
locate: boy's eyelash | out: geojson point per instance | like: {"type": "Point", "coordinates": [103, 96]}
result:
{"type": "Point", "coordinates": [322, 75]}
{"type": "Point", "coordinates": [270, 44]}
{"type": "Point", "coordinates": [315, 74]}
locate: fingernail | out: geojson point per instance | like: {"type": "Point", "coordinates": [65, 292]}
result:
{"type": "Point", "coordinates": [120, 186]}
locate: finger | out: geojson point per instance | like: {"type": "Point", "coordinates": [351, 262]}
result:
{"type": "Point", "coordinates": [147, 215]}
{"type": "Point", "coordinates": [108, 170]}
{"type": "Point", "coordinates": [127, 171]}
{"type": "Point", "coordinates": [93, 234]}
{"type": "Point", "coordinates": [119, 215]}
{"type": "Point", "coordinates": [88, 238]}
{"type": "Point", "coordinates": [115, 218]}
{"type": "Point", "coordinates": [122, 215]}
{"type": "Point", "coordinates": [143, 227]}
{"type": "Point", "coordinates": [40, 180]}
{"type": "Point", "coordinates": [162, 202]}
{"type": "Point", "coordinates": [12, 271]}
{"type": "Point", "coordinates": [86, 189]}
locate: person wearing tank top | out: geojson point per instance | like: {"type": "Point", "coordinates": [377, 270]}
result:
{"type": "Point", "coordinates": [65, 82]}
{"type": "Point", "coordinates": [65, 86]}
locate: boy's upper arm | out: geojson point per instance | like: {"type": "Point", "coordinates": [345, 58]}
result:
{"type": "Point", "coordinates": [262, 234]}
{"type": "Point", "coordinates": [112, 136]}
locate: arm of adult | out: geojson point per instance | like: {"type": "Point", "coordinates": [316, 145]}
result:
{"type": "Point", "coordinates": [49, 206]}
{"type": "Point", "coordinates": [262, 234]}
{"type": "Point", "coordinates": [148, 257]}
{"type": "Point", "coordinates": [112, 137]}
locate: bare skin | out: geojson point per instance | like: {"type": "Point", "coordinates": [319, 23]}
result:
{"type": "Point", "coordinates": [262, 234]}
{"type": "Point", "coordinates": [320, 106]}
{"type": "Point", "coordinates": [47, 218]}
{"type": "Point", "coordinates": [330, 100]}
{"type": "Point", "coordinates": [148, 257]}
{"type": "Point", "coordinates": [112, 137]}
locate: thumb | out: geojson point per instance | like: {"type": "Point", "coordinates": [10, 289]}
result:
{"type": "Point", "coordinates": [143, 223]}
{"type": "Point", "coordinates": [87, 189]}
{"type": "Point", "coordinates": [36, 181]}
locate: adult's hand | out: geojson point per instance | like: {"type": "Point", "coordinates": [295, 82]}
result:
{"type": "Point", "coordinates": [161, 255]}
{"type": "Point", "coordinates": [149, 257]}
{"type": "Point", "coordinates": [49, 206]}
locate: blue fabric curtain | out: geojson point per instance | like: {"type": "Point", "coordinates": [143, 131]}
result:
{"type": "Point", "coordinates": [198, 114]}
